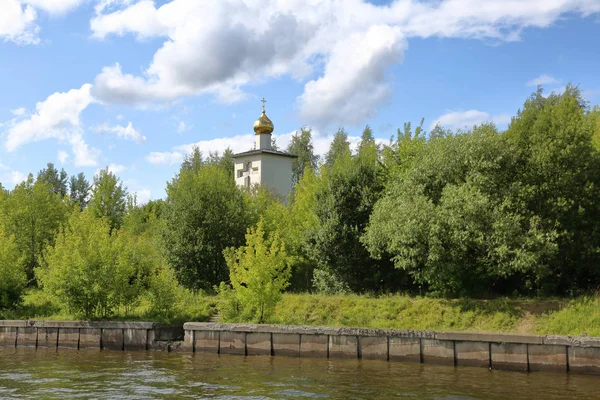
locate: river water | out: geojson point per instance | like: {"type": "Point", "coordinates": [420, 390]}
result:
{"type": "Point", "coordinates": [63, 373]}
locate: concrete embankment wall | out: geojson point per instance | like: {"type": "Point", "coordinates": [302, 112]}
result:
{"type": "Point", "coordinates": [496, 351]}
{"type": "Point", "coordinates": [84, 334]}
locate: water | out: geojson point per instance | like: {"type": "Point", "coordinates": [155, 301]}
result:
{"type": "Point", "coordinates": [94, 374]}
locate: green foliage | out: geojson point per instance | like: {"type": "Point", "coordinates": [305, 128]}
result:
{"type": "Point", "coordinates": [340, 147]}
{"type": "Point", "coordinates": [82, 271]}
{"type": "Point", "coordinates": [301, 146]}
{"type": "Point", "coordinates": [484, 212]}
{"type": "Point", "coordinates": [108, 199]}
{"type": "Point", "coordinates": [259, 272]}
{"type": "Point", "coordinates": [205, 213]}
{"type": "Point", "coordinates": [12, 274]}
{"type": "Point", "coordinates": [33, 214]}
{"type": "Point", "coordinates": [344, 199]}
{"type": "Point", "coordinates": [57, 181]}
{"type": "Point", "coordinates": [79, 189]}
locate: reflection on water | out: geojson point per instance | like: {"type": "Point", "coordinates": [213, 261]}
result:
{"type": "Point", "coordinates": [58, 374]}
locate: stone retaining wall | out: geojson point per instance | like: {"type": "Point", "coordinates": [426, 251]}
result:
{"type": "Point", "coordinates": [84, 334]}
{"type": "Point", "coordinates": [496, 351]}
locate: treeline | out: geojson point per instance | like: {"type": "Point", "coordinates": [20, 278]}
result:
{"type": "Point", "coordinates": [471, 213]}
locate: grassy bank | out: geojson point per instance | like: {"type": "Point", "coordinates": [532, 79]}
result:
{"type": "Point", "coordinates": [551, 316]}
{"type": "Point", "coordinates": [547, 316]}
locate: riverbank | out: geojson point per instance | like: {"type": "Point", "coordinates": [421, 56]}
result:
{"type": "Point", "coordinates": [573, 317]}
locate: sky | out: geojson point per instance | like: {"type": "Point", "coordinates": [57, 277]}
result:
{"type": "Point", "coordinates": [132, 85]}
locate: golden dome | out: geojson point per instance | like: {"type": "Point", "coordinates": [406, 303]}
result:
{"type": "Point", "coordinates": [263, 124]}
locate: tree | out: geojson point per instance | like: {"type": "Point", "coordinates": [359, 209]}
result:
{"type": "Point", "coordinates": [79, 189]}
{"type": "Point", "coordinates": [340, 147]}
{"type": "Point", "coordinates": [82, 271]}
{"type": "Point", "coordinates": [108, 199]}
{"type": "Point", "coordinates": [13, 277]}
{"type": "Point", "coordinates": [259, 272]}
{"type": "Point", "coordinates": [57, 181]}
{"type": "Point", "coordinates": [301, 146]}
{"type": "Point", "coordinates": [205, 213]}
{"type": "Point", "coordinates": [32, 213]}
{"type": "Point", "coordinates": [343, 203]}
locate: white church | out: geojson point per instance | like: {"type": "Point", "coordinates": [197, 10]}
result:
{"type": "Point", "coordinates": [264, 165]}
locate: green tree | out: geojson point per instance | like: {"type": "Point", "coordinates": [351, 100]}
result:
{"type": "Point", "coordinates": [340, 147]}
{"type": "Point", "coordinates": [13, 277]}
{"type": "Point", "coordinates": [32, 213]}
{"type": "Point", "coordinates": [205, 213]}
{"type": "Point", "coordinates": [343, 203]}
{"type": "Point", "coordinates": [108, 199]}
{"type": "Point", "coordinates": [301, 145]}
{"type": "Point", "coordinates": [82, 271]}
{"type": "Point", "coordinates": [259, 272]}
{"type": "Point", "coordinates": [79, 190]}
{"type": "Point", "coordinates": [56, 180]}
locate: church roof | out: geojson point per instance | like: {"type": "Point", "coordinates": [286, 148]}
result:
{"type": "Point", "coordinates": [264, 151]}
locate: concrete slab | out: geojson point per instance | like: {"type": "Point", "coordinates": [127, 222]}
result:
{"type": "Point", "coordinates": [286, 344]}
{"type": "Point", "coordinates": [233, 343]}
{"type": "Point", "coordinates": [405, 349]}
{"type": "Point", "coordinates": [547, 358]}
{"type": "Point", "coordinates": [584, 360]}
{"type": "Point", "coordinates": [343, 346]}
{"type": "Point", "coordinates": [437, 351]}
{"type": "Point", "coordinates": [509, 356]}
{"type": "Point", "coordinates": [258, 344]}
{"type": "Point", "coordinates": [27, 337]}
{"type": "Point", "coordinates": [47, 337]}
{"type": "Point", "coordinates": [112, 339]}
{"type": "Point", "coordinates": [206, 341]}
{"type": "Point", "coordinates": [135, 339]}
{"type": "Point", "coordinates": [89, 338]}
{"type": "Point", "coordinates": [8, 336]}
{"type": "Point", "coordinates": [313, 346]}
{"type": "Point", "coordinates": [475, 354]}
{"type": "Point", "coordinates": [68, 337]}
{"type": "Point", "coordinates": [373, 347]}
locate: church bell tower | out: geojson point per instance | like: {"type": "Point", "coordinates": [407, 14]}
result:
{"type": "Point", "coordinates": [263, 165]}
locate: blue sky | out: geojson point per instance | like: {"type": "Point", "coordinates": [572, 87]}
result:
{"type": "Point", "coordinates": [134, 84]}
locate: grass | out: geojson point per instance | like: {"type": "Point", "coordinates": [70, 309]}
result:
{"type": "Point", "coordinates": [187, 307]}
{"type": "Point", "coordinates": [534, 316]}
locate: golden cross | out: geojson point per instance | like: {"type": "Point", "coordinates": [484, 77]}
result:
{"type": "Point", "coordinates": [263, 101]}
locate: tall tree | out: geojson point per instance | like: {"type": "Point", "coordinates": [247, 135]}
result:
{"type": "Point", "coordinates": [56, 180]}
{"type": "Point", "coordinates": [108, 199]}
{"type": "Point", "coordinates": [205, 213]}
{"type": "Point", "coordinates": [33, 213]}
{"type": "Point", "coordinates": [79, 189]}
{"type": "Point", "coordinates": [301, 145]}
{"type": "Point", "coordinates": [340, 147]}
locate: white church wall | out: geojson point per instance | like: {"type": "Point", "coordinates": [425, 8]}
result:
{"type": "Point", "coordinates": [277, 173]}
{"type": "Point", "coordinates": [241, 165]}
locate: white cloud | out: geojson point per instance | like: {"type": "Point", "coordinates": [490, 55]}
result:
{"type": "Point", "coordinates": [165, 158]}
{"type": "Point", "coordinates": [124, 132]}
{"type": "Point", "coordinates": [466, 119]}
{"type": "Point", "coordinates": [113, 168]}
{"type": "Point", "coordinates": [57, 117]}
{"type": "Point", "coordinates": [18, 17]}
{"type": "Point", "coordinates": [543, 80]}
{"type": "Point", "coordinates": [16, 177]}
{"type": "Point", "coordinates": [63, 156]}
{"type": "Point", "coordinates": [143, 196]}
{"type": "Point", "coordinates": [354, 43]}
{"type": "Point", "coordinates": [19, 112]}
{"type": "Point", "coordinates": [183, 127]}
